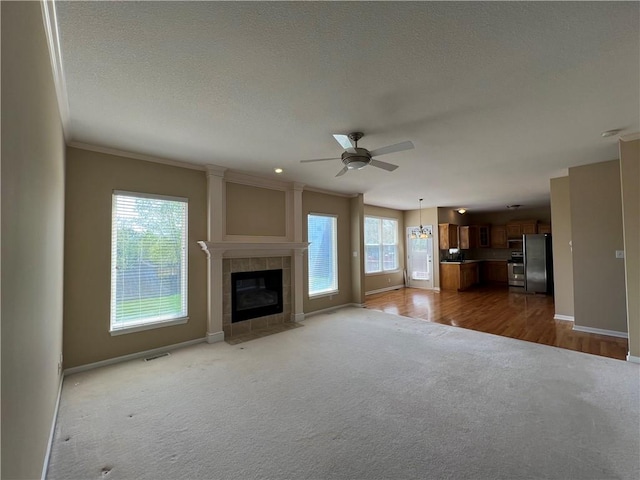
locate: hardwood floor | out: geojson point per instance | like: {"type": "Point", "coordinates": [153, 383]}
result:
{"type": "Point", "coordinates": [495, 310]}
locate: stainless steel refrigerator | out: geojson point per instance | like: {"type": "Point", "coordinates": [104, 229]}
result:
{"type": "Point", "coordinates": [538, 263]}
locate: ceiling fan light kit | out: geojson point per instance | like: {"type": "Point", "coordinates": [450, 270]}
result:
{"type": "Point", "coordinates": [356, 158]}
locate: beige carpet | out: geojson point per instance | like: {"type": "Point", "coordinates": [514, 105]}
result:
{"type": "Point", "coordinates": [357, 394]}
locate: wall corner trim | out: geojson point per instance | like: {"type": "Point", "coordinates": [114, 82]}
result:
{"type": "Point", "coordinates": [633, 359]}
{"type": "Point", "coordinates": [47, 454]}
{"type": "Point", "coordinates": [600, 331]}
{"type": "Point", "coordinates": [132, 356]}
{"type": "Point", "coordinates": [568, 318]}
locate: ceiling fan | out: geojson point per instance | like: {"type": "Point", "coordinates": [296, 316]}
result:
{"type": "Point", "coordinates": [355, 158]}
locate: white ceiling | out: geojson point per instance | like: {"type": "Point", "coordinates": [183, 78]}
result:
{"type": "Point", "coordinates": [498, 97]}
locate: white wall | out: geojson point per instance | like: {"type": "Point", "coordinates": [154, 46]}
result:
{"type": "Point", "coordinates": [32, 241]}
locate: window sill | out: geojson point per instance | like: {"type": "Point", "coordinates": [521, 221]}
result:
{"type": "Point", "coordinates": [148, 326]}
{"type": "Point", "coordinates": [324, 294]}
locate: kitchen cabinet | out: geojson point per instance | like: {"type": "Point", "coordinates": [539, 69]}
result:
{"type": "Point", "coordinates": [499, 236]}
{"type": "Point", "coordinates": [514, 230]}
{"type": "Point", "coordinates": [521, 227]}
{"type": "Point", "coordinates": [544, 228]}
{"type": "Point", "coordinates": [483, 236]}
{"type": "Point", "coordinates": [448, 234]}
{"type": "Point", "coordinates": [459, 276]}
{"type": "Point", "coordinates": [466, 238]}
{"type": "Point", "coordinates": [494, 271]}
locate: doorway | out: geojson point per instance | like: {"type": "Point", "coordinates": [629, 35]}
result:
{"type": "Point", "coordinates": [420, 259]}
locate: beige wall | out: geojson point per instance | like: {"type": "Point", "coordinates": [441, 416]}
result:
{"type": "Point", "coordinates": [255, 211]}
{"type": "Point", "coordinates": [357, 243]}
{"type": "Point", "coordinates": [378, 281]}
{"type": "Point", "coordinates": [562, 255]}
{"type": "Point", "coordinates": [32, 241]}
{"type": "Point", "coordinates": [429, 217]}
{"type": "Point", "coordinates": [450, 215]}
{"type": "Point", "coordinates": [596, 234]}
{"type": "Point", "coordinates": [630, 178]}
{"type": "Point", "coordinates": [91, 179]}
{"type": "Point", "coordinates": [314, 202]}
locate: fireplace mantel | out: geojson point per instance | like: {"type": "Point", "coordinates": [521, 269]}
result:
{"type": "Point", "coordinates": [252, 249]}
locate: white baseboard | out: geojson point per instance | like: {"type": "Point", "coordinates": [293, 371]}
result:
{"type": "Point", "coordinates": [386, 289]}
{"type": "Point", "coordinates": [600, 331]}
{"type": "Point", "coordinates": [132, 356]}
{"type": "Point", "coordinates": [568, 318]}
{"type": "Point", "coordinates": [297, 317]}
{"type": "Point", "coordinates": [633, 359]}
{"type": "Point", "coordinates": [47, 454]}
{"type": "Point", "coordinates": [215, 337]}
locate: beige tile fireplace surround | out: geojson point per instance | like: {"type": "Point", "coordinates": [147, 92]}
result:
{"type": "Point", "coordinates": [228, 254]}
{"type": "Point", "coordinates": [233, 265]}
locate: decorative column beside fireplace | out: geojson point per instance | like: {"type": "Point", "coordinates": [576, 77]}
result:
{"type": "Point", "coordinates": [250, 253]}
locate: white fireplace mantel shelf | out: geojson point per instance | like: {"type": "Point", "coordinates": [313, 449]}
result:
{"type": "Point", "coordinates": [251, 249]}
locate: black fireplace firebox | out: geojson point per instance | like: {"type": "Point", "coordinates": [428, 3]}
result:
{"type": "Point", "coordinates": [255, 294]}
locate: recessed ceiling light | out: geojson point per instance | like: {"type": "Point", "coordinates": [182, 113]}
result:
{"type": "Point", "coordinates": [611, 133]}
{"type": "Point", "coordinates": [278, 170]}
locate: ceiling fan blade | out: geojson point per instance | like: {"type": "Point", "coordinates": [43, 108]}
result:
{"type": "Point", "coordinates": [319, 160]}
{"type": "Point", "coordinates": [344, 141]}
{"type": "Point", "coordinates": [389, 167]}
{"type": "Point", "coordinates": [342, 172]}
{"type": "Point", "coordinates": [398, 147]}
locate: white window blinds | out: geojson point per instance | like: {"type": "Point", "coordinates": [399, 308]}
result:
{"type": "Point", "coordinates": [148, 259]}
{"type": "Point", "coordinates": [381, 244]}
{"type": "Point", "coordinates": [323, 254]}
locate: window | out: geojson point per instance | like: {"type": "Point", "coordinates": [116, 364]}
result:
{"type": "Point", "coordinates": [323, 254]}
{"type": "Point", "coordinates": [148, 261]}
{"type": "Point", "coordinates": [381, 244]}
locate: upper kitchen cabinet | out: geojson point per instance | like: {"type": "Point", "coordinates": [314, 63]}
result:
{"type": "Point", "coordinates": [484, 236]}
{"type": "Point", "coordinates": [465, 236]}
{"type": "Point", "coordinates": [470, 236]}
{"type": "Point", "coordinates": [448, 234]}
{"type": "Point", "coordinates": [499, 236]}
{"type": "Point", "coordinates": [521, 227]}
{"type": "Point", "coordinates": [544, 228]}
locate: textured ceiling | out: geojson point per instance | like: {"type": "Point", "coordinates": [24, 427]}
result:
{"type": "Point", "coordinates": [498, 97]}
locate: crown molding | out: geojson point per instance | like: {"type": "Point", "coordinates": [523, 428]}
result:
{"type": "Point", "coordinates": [136, 156]}
{"type": "Point", "coordinates": [50, 23]}
{"type": "Point", "coordinates": [329, 192]}
{"type": "Point", "coordinates": [256, 181]}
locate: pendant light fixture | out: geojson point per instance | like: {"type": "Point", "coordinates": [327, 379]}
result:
{"type": "Point", "coordinates": [421, 232]}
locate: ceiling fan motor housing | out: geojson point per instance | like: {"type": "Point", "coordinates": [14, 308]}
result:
{"type": "Point", "coordinates": [356, 159]}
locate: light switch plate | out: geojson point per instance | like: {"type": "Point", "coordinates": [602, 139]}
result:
{"type": "Point", "coordinates": [619, 253]}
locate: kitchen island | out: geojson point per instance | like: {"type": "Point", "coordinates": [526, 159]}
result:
{"type": "Point", "coordinates": [459, 275]}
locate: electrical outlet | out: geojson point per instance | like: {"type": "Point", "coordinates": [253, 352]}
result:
{"type": "Point", "coordinates": [619, 253]}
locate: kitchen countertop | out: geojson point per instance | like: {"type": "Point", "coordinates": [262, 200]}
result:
{"type": "Point", "coordinates": [460, 263]}
{"type": "Point", "coordinates": [445, 262]}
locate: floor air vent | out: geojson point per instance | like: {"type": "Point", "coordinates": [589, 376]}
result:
{"type": "Point", "coordinates": [160, 355]}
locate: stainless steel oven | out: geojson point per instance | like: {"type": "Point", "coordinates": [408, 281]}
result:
{"type": "Point", "coordinates": [515, 271]}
